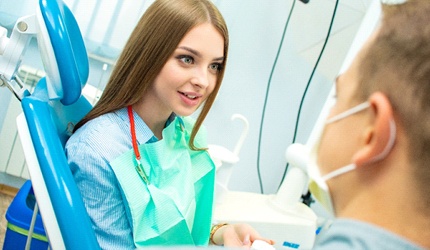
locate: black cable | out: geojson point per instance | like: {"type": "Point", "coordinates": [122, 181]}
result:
{"type": "Point", "coordinates": [267, 95]}
{"type": "Point", "coordinates": [307, 85]}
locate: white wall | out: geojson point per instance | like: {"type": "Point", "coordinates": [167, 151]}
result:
{"type": "Point", "coordinates": [256, 30]}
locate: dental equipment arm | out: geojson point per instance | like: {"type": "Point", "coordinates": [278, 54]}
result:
{"type": "Point", "coordinates": [225, 159]}
{"type": "Point", "coordinates": [11, 51]}
{"type": "Point", "coordinates": [296, 181]}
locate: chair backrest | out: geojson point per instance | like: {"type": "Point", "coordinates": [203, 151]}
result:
{"type": "Point", "coordinates": [49, 115]}
{"type": "Point", "coordinates": [49, 124]}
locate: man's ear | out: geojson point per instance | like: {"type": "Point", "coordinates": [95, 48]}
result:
{"type": "Point", "coordinates": [378, 137]}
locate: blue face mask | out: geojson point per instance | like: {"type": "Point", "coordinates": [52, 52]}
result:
{"type": "Point", "coordinates": [318, 183]}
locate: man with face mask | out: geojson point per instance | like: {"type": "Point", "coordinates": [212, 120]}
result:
{"type": "Point", "coordinates": [371, 164]}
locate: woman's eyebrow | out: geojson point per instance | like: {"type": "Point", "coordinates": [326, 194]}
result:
{"type": "Point", "coordinates": [192, 51]}
{"type": "Point", "coordinates": [196, 53]}
{"type": "Point", "coordinates": [219, 59]}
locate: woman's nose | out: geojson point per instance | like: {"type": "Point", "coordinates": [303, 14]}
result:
{"type": "Point", "coordinates": [200, 77]}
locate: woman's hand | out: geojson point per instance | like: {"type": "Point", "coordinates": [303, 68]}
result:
{"type": "Point", "coordinates": [237, 235]}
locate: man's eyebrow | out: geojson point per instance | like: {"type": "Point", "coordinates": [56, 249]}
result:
{"type": "Point", "coordinates": [196, 53]}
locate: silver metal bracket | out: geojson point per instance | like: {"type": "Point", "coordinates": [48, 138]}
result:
{"type": "Point", "coordinates": [15, 85]}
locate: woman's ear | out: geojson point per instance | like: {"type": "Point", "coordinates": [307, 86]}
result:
{"type": "Point", "coordinates": [379, 136]}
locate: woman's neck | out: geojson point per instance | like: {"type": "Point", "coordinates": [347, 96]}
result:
{"type": "Point", "coordinates": [152, 116]}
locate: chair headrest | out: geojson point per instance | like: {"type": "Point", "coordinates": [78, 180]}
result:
{"type": "Point", "coordinates": [63, 52]}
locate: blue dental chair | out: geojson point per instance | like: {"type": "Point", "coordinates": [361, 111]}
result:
{"type": "Point", "coordinates": [49, 114]}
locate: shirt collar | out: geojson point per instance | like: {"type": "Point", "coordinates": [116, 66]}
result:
{"type": "Point", "coordinates": [143, 133]}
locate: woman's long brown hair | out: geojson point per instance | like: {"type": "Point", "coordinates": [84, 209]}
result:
{"type": "Point", "coordinates": [152, 42]}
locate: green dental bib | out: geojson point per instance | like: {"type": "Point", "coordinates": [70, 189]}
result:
{"type": "Point", "coordinates": [175, 207]}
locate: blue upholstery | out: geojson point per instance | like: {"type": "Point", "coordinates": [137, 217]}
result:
{"type": "Point", "coordinates": [50, 122]}
{"type": "Point", "coordinates": [69, 49]}
{"type": "Point", "coordinates": [48, 125]}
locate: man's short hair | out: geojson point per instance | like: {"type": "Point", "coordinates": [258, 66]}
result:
{"type": "Point", "coordinates": [397, 63]}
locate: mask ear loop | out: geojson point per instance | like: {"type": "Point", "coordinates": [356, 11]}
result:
{"type": "Point", "coordinates": [338, 117]}
{"type": "Point", "coordinates": [390, 143]}
{"type": "Point", "coordinates": [348, 112]}
{"type": "Point", "coordinates": [380, 156]}
{"type": "Point", "coordinates": [339, 171]}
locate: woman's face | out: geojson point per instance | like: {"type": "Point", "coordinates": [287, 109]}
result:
{"type": "Point", "coordinates": [190, 74]}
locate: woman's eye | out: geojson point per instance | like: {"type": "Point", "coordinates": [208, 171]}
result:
{"type": "Point", "coordinates": [186, 59]}
{"type": "Point", "coordinates": [215, 67]}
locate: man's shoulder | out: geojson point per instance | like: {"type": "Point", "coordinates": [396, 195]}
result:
{"type": "Point", "coordinates": [354, 234]}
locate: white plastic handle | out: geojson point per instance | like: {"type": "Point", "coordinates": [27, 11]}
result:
{"type": "Point", "coordinates": [242, 135]}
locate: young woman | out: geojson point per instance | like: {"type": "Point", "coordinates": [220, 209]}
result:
{"type": "Point", "coordinates": [140, 163]}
